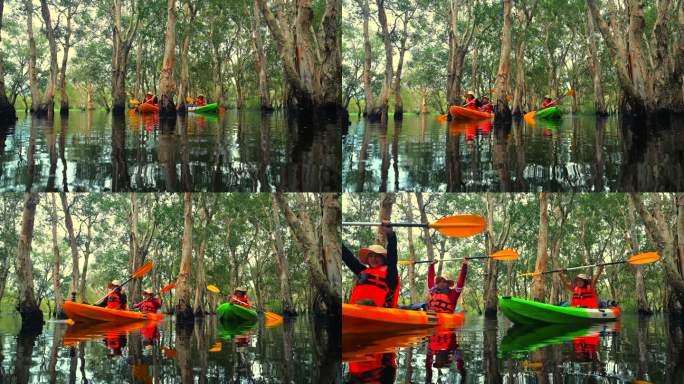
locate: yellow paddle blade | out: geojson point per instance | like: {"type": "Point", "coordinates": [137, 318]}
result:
{"type": "Point", "coordinates": [134, 101]}
{"type": "Point", "coordinates": [460, 225]}
{"type": "Point", "coordinates": [142, 271]}
{"type": "Point", "coordinates": [70, 322]}
{"type": "Point", "coordinates": [570, 93]}
{"type": "Point", "coordinates": [529, 115]}
{"type": "Point", "coordinates": [505, 255]}
{"type": "Point", "coordinates": [644, 258]}
{"type": "Point", "coordinates": [273, 319]}
{"type": "Point", "coordinates": [216, 347]}
{"type": "Point", "coordinates": [529, 274]}
{"type": "Point", "coordinates": [406, 262]}
{"type": "Point", "coordinates": [213, 288]}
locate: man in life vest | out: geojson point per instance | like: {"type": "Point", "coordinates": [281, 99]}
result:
{"type": "Point", "coordinates": [443, 297]}
{"type": "Point", "coordinates": [375, 368]}
{"type": "Point", "coordinates": [240, 298]}
{"type": "Point", "coordinates": [548, 103]}
{"type": "Point", "coordinates": [150, 304]}
{"type": "Point", "coordinates": [486, 105]}
{"type": "Point", "coordinates": [377, 279]}
{"type": "Point", "coordinates": [583, 289]}
{"type": "Point", "coordinates": [150, 98]}
{"type": "Point", "coordinates": [116, 299]}
{"type": "Point", "coordinates": [470, 101]}
{"type": "Point", "coordinates": [200, 102]}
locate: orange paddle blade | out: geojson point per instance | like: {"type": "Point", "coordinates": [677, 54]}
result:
{"type": "Point", "coordinates": [142, 271]}
{"type": "Point", "coordinates": [442, 118]}
{"type": "Point", "coordinates": [273, 319]}
{"type": "Point", "coordinates": [216, 347]}
{"type": "Point", "coordinates": [168, 287]}
{"type": "Point", "coordinates": [460, 225]}
{"type": "Point", "coordinates": [644, 258]}
{"type": "Point", "coordinates": [505, 255]}
{"type": "Point", "coordinates": [570, 93]}
{"type": "Point", "coordinates": [213, 288]}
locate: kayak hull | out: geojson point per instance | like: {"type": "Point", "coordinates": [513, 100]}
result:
{"type": "Point", "coordinates": [233, 313]}
{"type": "Point", "coordinates": [549, 113]}
{"type": "Point", "coordinates": [367, 319]}
{"type": "Point", "coordinates": [148, 108]}
{"type": "Point", "coordinates": [460, 113]}
{"type": "Point", "coordinates": [85, 313]}
{"type": "Point", "coordinates": [522, 311]}
{"type": "Point", "coordinates": [206, 108]}
{"type": "Point", "coordinates": [530, 337]}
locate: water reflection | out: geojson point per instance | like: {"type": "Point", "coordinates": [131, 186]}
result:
{"type": "Point", "coordinates": [234, 151]}
{"type": "Point", "coordinates": [579, 153]}
{"type": "Point", "coordinates": [631, 350]}
{"type": "Point", "coordinates": [149, 352]}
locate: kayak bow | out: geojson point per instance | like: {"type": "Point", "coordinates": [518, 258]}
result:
{"type": "Point", "coordinates": [233, 313]}
{"type": "Point", "coordinates": [363, 319]}
{"type": "Point", "coordinates": [460, 113]}
{"type": "Point", "coordinates": [522, 311]}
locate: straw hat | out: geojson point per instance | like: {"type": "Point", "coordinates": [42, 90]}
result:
{"type": "Point", "coordinates": [116, 283]}
{"type": "Point", "coordinates": [149, 291]}
{"type": "Point", "coordinates": [241, 289]}
{"type": "Point", "coordinates": [375, 248]}
{"type": "Point", "coordinates": [547, 96]}
{"type": "Point", "coordinates": [450, 283]}
{"type": "Point", "coordinates": [470, 93]}
{"type": "Point", "coordinates": [582, 276]}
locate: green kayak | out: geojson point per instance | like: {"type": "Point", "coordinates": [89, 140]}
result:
{"type": "Point", "coordinates": [522, 311]}
{"type": "Point", "coordinates": [233, 313]}
{"type": "Point", "coordinates": [206, 108]}
{"type": "Point", "coordinates": [549, 113]}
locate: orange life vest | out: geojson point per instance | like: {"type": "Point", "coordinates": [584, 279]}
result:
{"type": "Point", "coordinates": [372, 284]}
{"type": "Point", "coordinates": [370, 371]}
{"type": "Point", "coordinates": [439, 301]}
{"type": "Point", "coordinates": [150, 305]}
{"type": "Point", "coordinates": [242, 301]}
{"type": "Point", "coordinates": [114, 301]}
{"type": "Point", "coordinates": [584, 297]}
{"type": "Point", "coordinates": [549, 104]}
{"type": "Point", "coordinates": [472, 104]}
{"type": "Point", "coordinates": [149, 100]}
{"type": "Point", "coordinates": [442, 341]}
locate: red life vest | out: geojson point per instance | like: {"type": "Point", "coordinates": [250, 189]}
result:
{"type": "Point", "coordinates": [149, 100]}
{"type": "Point", "coordinates": [439, 301]}
{"type": "Point", "coordinates": [200, 102]}
{"type": "Point", "coordinates": [370, 370]}
{"type": "Point", "coordinates": [470, 104]}
{"type": "Point", "coordinates": [150, 305]}
{"type": "Point", "coordinates": [372, 284]}
{"type": "Point", "coordinates": [114, 301]}
{"type": "Point", "coordinates": [584, 297]}
{"type": "Point", "coordinates": [243, 301]}
{"type": "Point", "coordinates": [487, 108]}
{"type": "Point", "coordinates": [549, 104]}
{"type": "Point", "coordinates": [443, 341]}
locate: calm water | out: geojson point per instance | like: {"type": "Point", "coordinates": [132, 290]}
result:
{"type": "Point", "coordinates": [580, 153]}
{"type": "Point", "coordinates": [629, 351]}
{"type": "Point", "coordinates": [158, 352]}
{"type": "Point", "coordinates": [235, 151]}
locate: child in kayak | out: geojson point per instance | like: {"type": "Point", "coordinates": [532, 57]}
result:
{"type": "Point", "coordinates": [443, 297]}
{"type": "Point", "coordinates": [471, 101]}
{"type": "Point", "coordinates": [240, 298]}
{"type": "Point", "coordinates": [200, 102]}
{"type": "Point", "coordinates": [116, 299]}
{"type": "Point", "coordinates": [486, 105]}
{"type": "Point", "coordinates": [548, 103]}
{"type": "Point", "coordinates": [150, 304]}
{"type": "Point", "coordinates": [583, 289]}
{"type": "Point", "coordinates": [377, 279]}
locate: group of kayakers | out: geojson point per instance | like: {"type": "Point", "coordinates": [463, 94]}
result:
{"type": "Point", "coordinates": [151, 98]}
{"type": "Point", "coordinates": [484, 105]}
{"type": "Point", "coordinates": [377, 280]}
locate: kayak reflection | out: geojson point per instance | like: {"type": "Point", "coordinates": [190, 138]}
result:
{"type": "Point", "coordinates": [378, 368]}
{"type": "Point", "coordinates": [81, 332]}
{"type": "Point", "coordinates": [470, 128]}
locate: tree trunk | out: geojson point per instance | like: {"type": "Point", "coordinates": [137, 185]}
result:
{"type": "Point", "coordinates": [32, 76]}
{"type": "Point", "coordinates": [501, 110]}
{"type": "Point", "coordinates": [412, 250]}
{"type": "Point", "coordinates": [46, 107]}
{"type": "Point", "coordinates": [519, 92]}
{"type": "Point", "coordinates": [398, 104]}
{"type": "Point", "coordinates": [121, 46]}
{"type": "Point", "coordinates": [86, 256]}
{"type": "Point", "coordinates": [595, 66]}
{"type": "Point", "coordinates": [56, 262]}
{"type": "Point", "coordinates": [491, 271]}
{"type": "Point", "coordinates": [367, 62]}
{"type": "Point", "coordinates": [260, 61]}
{"type": "Point", "coordinates": [457, 51]}
{"type": "Point", "coordinates": [138, 89]}
{"type": "Point", "coordinates": [7, 111]}
{"type": "Point", "coordinates": [429, 246]}
{"type": "Point", "coordinates": [167, 82]}
{"type": "Point", "coordinates": [64, 98]}
{"type": "Point", "coordinates": [205, 215]}
{"type": "Point", "coordinates": [381, 109]}
{"type": "Point", "coordinates": [640, 287]}
{"type": "Point", "coordinates": [386, 202]}
{"type": "Point", "coordinates": [283, 265]}
{"type": "Point", "coordinates": [183, 309]}
{"type": "Point", "coordinates": [538, 289]}
{"type": "Point", "coordinates": [31, 315]}
{"type": "Point", "coordinates": [68, 222]}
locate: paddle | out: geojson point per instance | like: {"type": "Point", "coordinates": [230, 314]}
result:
{"type": "Point", "coordinates": [502, 255]}
{"type": "Point", "coordinates": [531, 114]}
{"type": "Point", "coordinates": [452, 226]}
{"type": "Point", "coordinates": [270, 315]}
{"type": "Point", "coordinates": [140, 272]}
{"type": "Point", "coordinates": [642, 258]}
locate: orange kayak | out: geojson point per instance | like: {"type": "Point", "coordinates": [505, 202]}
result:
{"type": "Point", "coordinates": [148, 108]}
{"type": "Point", "coordinates": [90, 331]}
{"type": "Point", "coordinates": [363, 319]}
{"type": "Point", "coordinates": [460, 113]}
{"type": "Point", "coordinates": [84, 313]}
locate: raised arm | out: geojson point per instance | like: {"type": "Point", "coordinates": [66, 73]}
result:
{"type": "Point", "coordinates": [596, 276]}
{"type": "Point", "coordinates": [565, 281]}
{"type": "Point", "coordinates": [351, 261]}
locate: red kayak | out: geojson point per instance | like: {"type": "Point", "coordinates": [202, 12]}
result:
{"type": "Point", "coordinates": [460, 113]}
{"type": "Point", "coordinates": [148, 108]}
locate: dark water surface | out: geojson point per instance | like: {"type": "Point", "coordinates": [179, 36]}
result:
{"type": "Point", "coordinates": [579, 153]}
{"type": "Point", "coordinates": [234, 151]}
{"type": "Point", "coordinates": [161, 353]}
{"type": "Point", "coordinates": [632, 350]}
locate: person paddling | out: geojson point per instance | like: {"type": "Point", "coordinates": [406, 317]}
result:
{"type": "Point", "coordinates": [150, 304]}
{"type": "Point", "coordinates": [150, 99]}
{"type": "Point", "coordinates": [548, 102]}
{"type": "Point", "coordinates": [486, 105]}
{"type": "Point", "coordinates": [377, 279]}
{"type": "Point", "coordinates": [583, 289]}
{"type": "Point", "coordinates": [470, 101]}
{"type": "Point", "coordinates": [116, 299]}
{"type": "Point", "coordinates": [240, 298]}
{"type": "Point", "coordinates": [200, 102]}
{"type": "Point", "coordinates": [443, 297]}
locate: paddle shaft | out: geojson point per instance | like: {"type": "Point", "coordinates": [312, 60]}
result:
{"type": "Point", "coordinates": [584, 266]}
{"type": "Point", "coordinates": [459, 259]}
{"type": "Point", "coordinates": [366, 224]}
{"type": "Point", "coordinates": [110, 292]}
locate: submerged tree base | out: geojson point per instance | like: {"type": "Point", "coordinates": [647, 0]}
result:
{"type": "Point", "coordinates": [31, 317]}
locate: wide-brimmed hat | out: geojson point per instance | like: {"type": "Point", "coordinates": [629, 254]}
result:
{"type": "Point", "coordinates": [470, 93]}
{"type": "Point", "coordinates": [149, 93]}
{"type": "Point", "coordinates": [149, 291]}
{"type": "Point", "coordinates": [582, 276]}
{"type": "Point", "coordinates": [241, 289]}
{"type": "Point", "coordinates": [547, 96]}
{"type": "Point", "coordinates": [450, 283]}
{"type": "Point", "coordinates": [116, 283]}
{"type": "Point", "coordinates": [375, 248]}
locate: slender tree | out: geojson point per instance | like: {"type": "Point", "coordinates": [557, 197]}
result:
{"type": "Point", "coordinates": [31, 315]}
